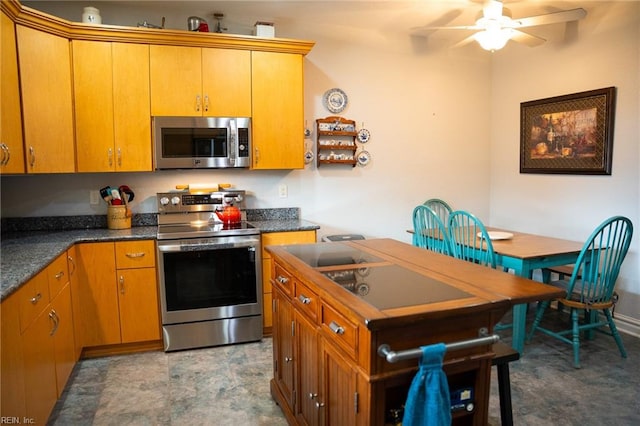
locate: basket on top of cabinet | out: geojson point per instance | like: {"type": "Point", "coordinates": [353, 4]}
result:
{"type": "Point", "coordinates": [336, 141]}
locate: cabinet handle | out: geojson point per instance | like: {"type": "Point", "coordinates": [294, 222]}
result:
{"type": "Point", "coordinates": [6, 155]}
{"type": "Point", "coordinates": [73, 262]}
{"type": "Point", "coordinates": [53, 316]}
{"type": "Point", "coordinates": [336, 328]}
{"type": "Point", "coordinates": [197, 102]}
{"type": "Point", "coordinates": [319, 405]}
{"type": "Point", "coordinates": [35, 299]}
{"type": "Point", "coordinates": [110, 156]}
{"type": "Point", "coordinates": [32, 156]}
{"type": "Point", "coordinates": [119, 157]}
{"type": "Point", "coordinates": [304, 299]}
{"type": "Point", "coordinates": [282, 280]}
{"type": "Point", "coordinates": [257, 156]}
{"type": "Point", "coordinates": [313, 395]}
{"type": "Point", "coordinates": [206, 102]}
{"type": "Point", "coordinates": [59, 275]}
{"type": "Point", "coordinates": [121, 281]}
{"type": "Point", "coordinates": [287, 359]}
{"type": "Point", "coordinates": [135, 255]}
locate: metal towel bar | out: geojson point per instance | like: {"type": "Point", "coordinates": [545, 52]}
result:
{"type": "Point", "coordinates": [392, 356]}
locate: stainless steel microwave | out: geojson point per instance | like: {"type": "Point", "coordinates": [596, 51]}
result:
{"type": "Point", "coordinates": [201, 142]}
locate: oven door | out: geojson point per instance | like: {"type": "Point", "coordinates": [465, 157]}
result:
{"type": "Point", "coordinates": [210, 278]}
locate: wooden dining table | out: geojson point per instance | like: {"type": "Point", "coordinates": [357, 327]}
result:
{"type": "Point", "coordinates": [523, 253]}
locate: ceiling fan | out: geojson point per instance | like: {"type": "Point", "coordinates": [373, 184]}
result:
{"type": "Point", "coordinates": [496, 27]}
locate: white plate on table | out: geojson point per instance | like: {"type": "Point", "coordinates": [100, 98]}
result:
{"type": "Point", "coordinates": [497, 235]}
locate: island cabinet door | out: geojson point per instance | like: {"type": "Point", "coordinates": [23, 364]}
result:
{"type": "Point", "coordinates": [283, 330]}
{"type": "Point", "coordinates": [308, 405]}
{"type": "Point", "coordinates": [338, 400]}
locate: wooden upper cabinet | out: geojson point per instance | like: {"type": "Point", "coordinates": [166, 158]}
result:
{"type": "Point", "coordinates": [11, 148]}
{"type": "Point", "coordinates": [45, 83]}
{"type": "Point", "coordinates": [277, 111]}
{"type": "Point", "coordinates": [193, 81]}
{"type": "Point", "coordinates": [112, 111]}
{"type": "Point", "coordinates": [226, 81]}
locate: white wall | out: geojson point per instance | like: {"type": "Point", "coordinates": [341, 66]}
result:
{"type": "Point", "coordinates": [444, 123]}
{"type": "Point", "coordinates": [570, 206]}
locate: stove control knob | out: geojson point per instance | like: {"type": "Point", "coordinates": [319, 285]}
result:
{"type": "Point", "coordinates": [164, 201]}
{"type": "Point", "coordinates": [175, 201]}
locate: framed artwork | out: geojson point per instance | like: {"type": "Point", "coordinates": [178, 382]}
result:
{"type": "Point", "coordinates": [569, 134]}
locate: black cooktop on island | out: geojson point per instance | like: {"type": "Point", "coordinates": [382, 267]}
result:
{"type": "Point", "coordinates": [391, 286]}
{"type": "Point", "coordinates": [330, 254]}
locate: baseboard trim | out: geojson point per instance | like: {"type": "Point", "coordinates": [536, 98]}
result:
{"type": "Point", "coordinates": [627, 325]}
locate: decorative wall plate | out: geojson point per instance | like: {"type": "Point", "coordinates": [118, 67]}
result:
{"type": "Point", "coordinates": [363, 136]}
{"type": "Point", "coordinates": [308, 157]}
{"type": "Point", "coordinates": [363, 158]}
{"type": "Point", "coordinates": [335, 100]}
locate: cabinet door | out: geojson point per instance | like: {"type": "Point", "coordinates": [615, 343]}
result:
{"type": "Point", "coordinates": [138, 300]}
{"type": "Point", "coordinates": [74, 283]}
{"type": "Point", "coordinates": [308, 407]}
{"type": "Point", "coordinates": [40, 370]}
{"type": "Point", "coordinates": [273, 238]}
{"type": "Point", "coordinates": [131, 107]}
{"type": "Point", "coordinates": [12, 150]}
{"type": "Point", "coordinates": [226, 82]}
{"type": "Point", "coordinates": [338, 380]}
{"type": "Point", "coordinates": [93, 103]}
{"type": "Point", "coordinates": [45, 83]}
{"type": "Point", "coordinates": [12, 394]}
{"type": "Point", "coordinates": [277, 110]}
{"type": "Point", "coordinates": [63, 338]}
{"type": "Point", "coordinates": [283, 346]}
{"type": "Point", "coordinates": [176, 80]}
{"type": "Point", "coordinates": [98, 317]}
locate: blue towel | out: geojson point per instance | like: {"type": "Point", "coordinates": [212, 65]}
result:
{"type": "Point", "coordinates": [429, 402]}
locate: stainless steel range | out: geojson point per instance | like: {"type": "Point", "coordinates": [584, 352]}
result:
{"type": "Point", "coordinates": [209, 271]}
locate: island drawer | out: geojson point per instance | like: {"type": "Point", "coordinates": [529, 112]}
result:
{"type": "Point", "coordinates": [306, 301]}
{"type": "Point", "coordinates": [283, 280]}
{"type": "Point", "coordinates": [341, 331]}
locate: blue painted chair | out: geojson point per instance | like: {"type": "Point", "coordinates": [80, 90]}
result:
{"type": "Point", "coordinates": [470, 240]}
{"type": "Point", "coordinates": [441, 208]}
{"type": "Point", "coordinates": [429, 231]}
{"type": "Point", "coordinates": [590, 288]}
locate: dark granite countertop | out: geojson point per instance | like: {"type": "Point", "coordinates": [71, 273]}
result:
{"type": "Point", "coordinates": [24, 254]}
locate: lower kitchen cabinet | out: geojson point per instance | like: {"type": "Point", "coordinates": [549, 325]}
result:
{"type": "Point", "coordinates": [12, 393]}
{"type": "Point", "coordinates": [283, 346]}
{"type": "Point", "coordinates": [38, 345]}
{"type": "Point", "coordinates": [118, 293]}
{"type": "Point", "coordinates": [323, 389]}
{"type": "Point", "coordinates": [276, 238]}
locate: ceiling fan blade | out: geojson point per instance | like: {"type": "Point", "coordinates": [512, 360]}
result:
{"type": "Point", "coordinates": [461, 27]}
{"type": "Point", "coordinates": [528, 39]}
{"type": "Point", "coordinates": [551, 18]}
{"type": "Point", "coordinates": [465, 41]}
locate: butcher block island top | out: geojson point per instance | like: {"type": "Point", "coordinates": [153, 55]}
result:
{"type": "Point", "coordinates": [336, 303]}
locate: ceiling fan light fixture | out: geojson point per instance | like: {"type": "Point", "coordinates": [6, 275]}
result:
{"type": "Point", "coordinates": [493, 39]}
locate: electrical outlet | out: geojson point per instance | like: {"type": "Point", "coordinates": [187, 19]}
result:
{"type": "Point", "coordinates": [94, 197]}
{"type": "Point", "coordinates": [282, 190]}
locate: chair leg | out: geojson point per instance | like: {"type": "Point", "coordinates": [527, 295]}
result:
{"type": "Point", "coordinates": [614, 332]}
{"type": "Point", "coordinates": [542, 306]}
{"type": "Point", "coordinates": [504, 390]}
{"type": "Point", "coordinates": [576, 338]}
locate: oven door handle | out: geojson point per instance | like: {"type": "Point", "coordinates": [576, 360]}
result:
{"type": "Point", "coordinates": [177, 247]}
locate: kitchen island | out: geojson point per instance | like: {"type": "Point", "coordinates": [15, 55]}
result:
{"type": "Point", "coordinates": [336, 304]}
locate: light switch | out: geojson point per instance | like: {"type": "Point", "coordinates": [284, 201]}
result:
{"type": "Point", "coordinates": [283, 191]}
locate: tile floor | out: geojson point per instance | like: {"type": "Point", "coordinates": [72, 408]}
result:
{"type": "Point", "coordinates": [229, 385]}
